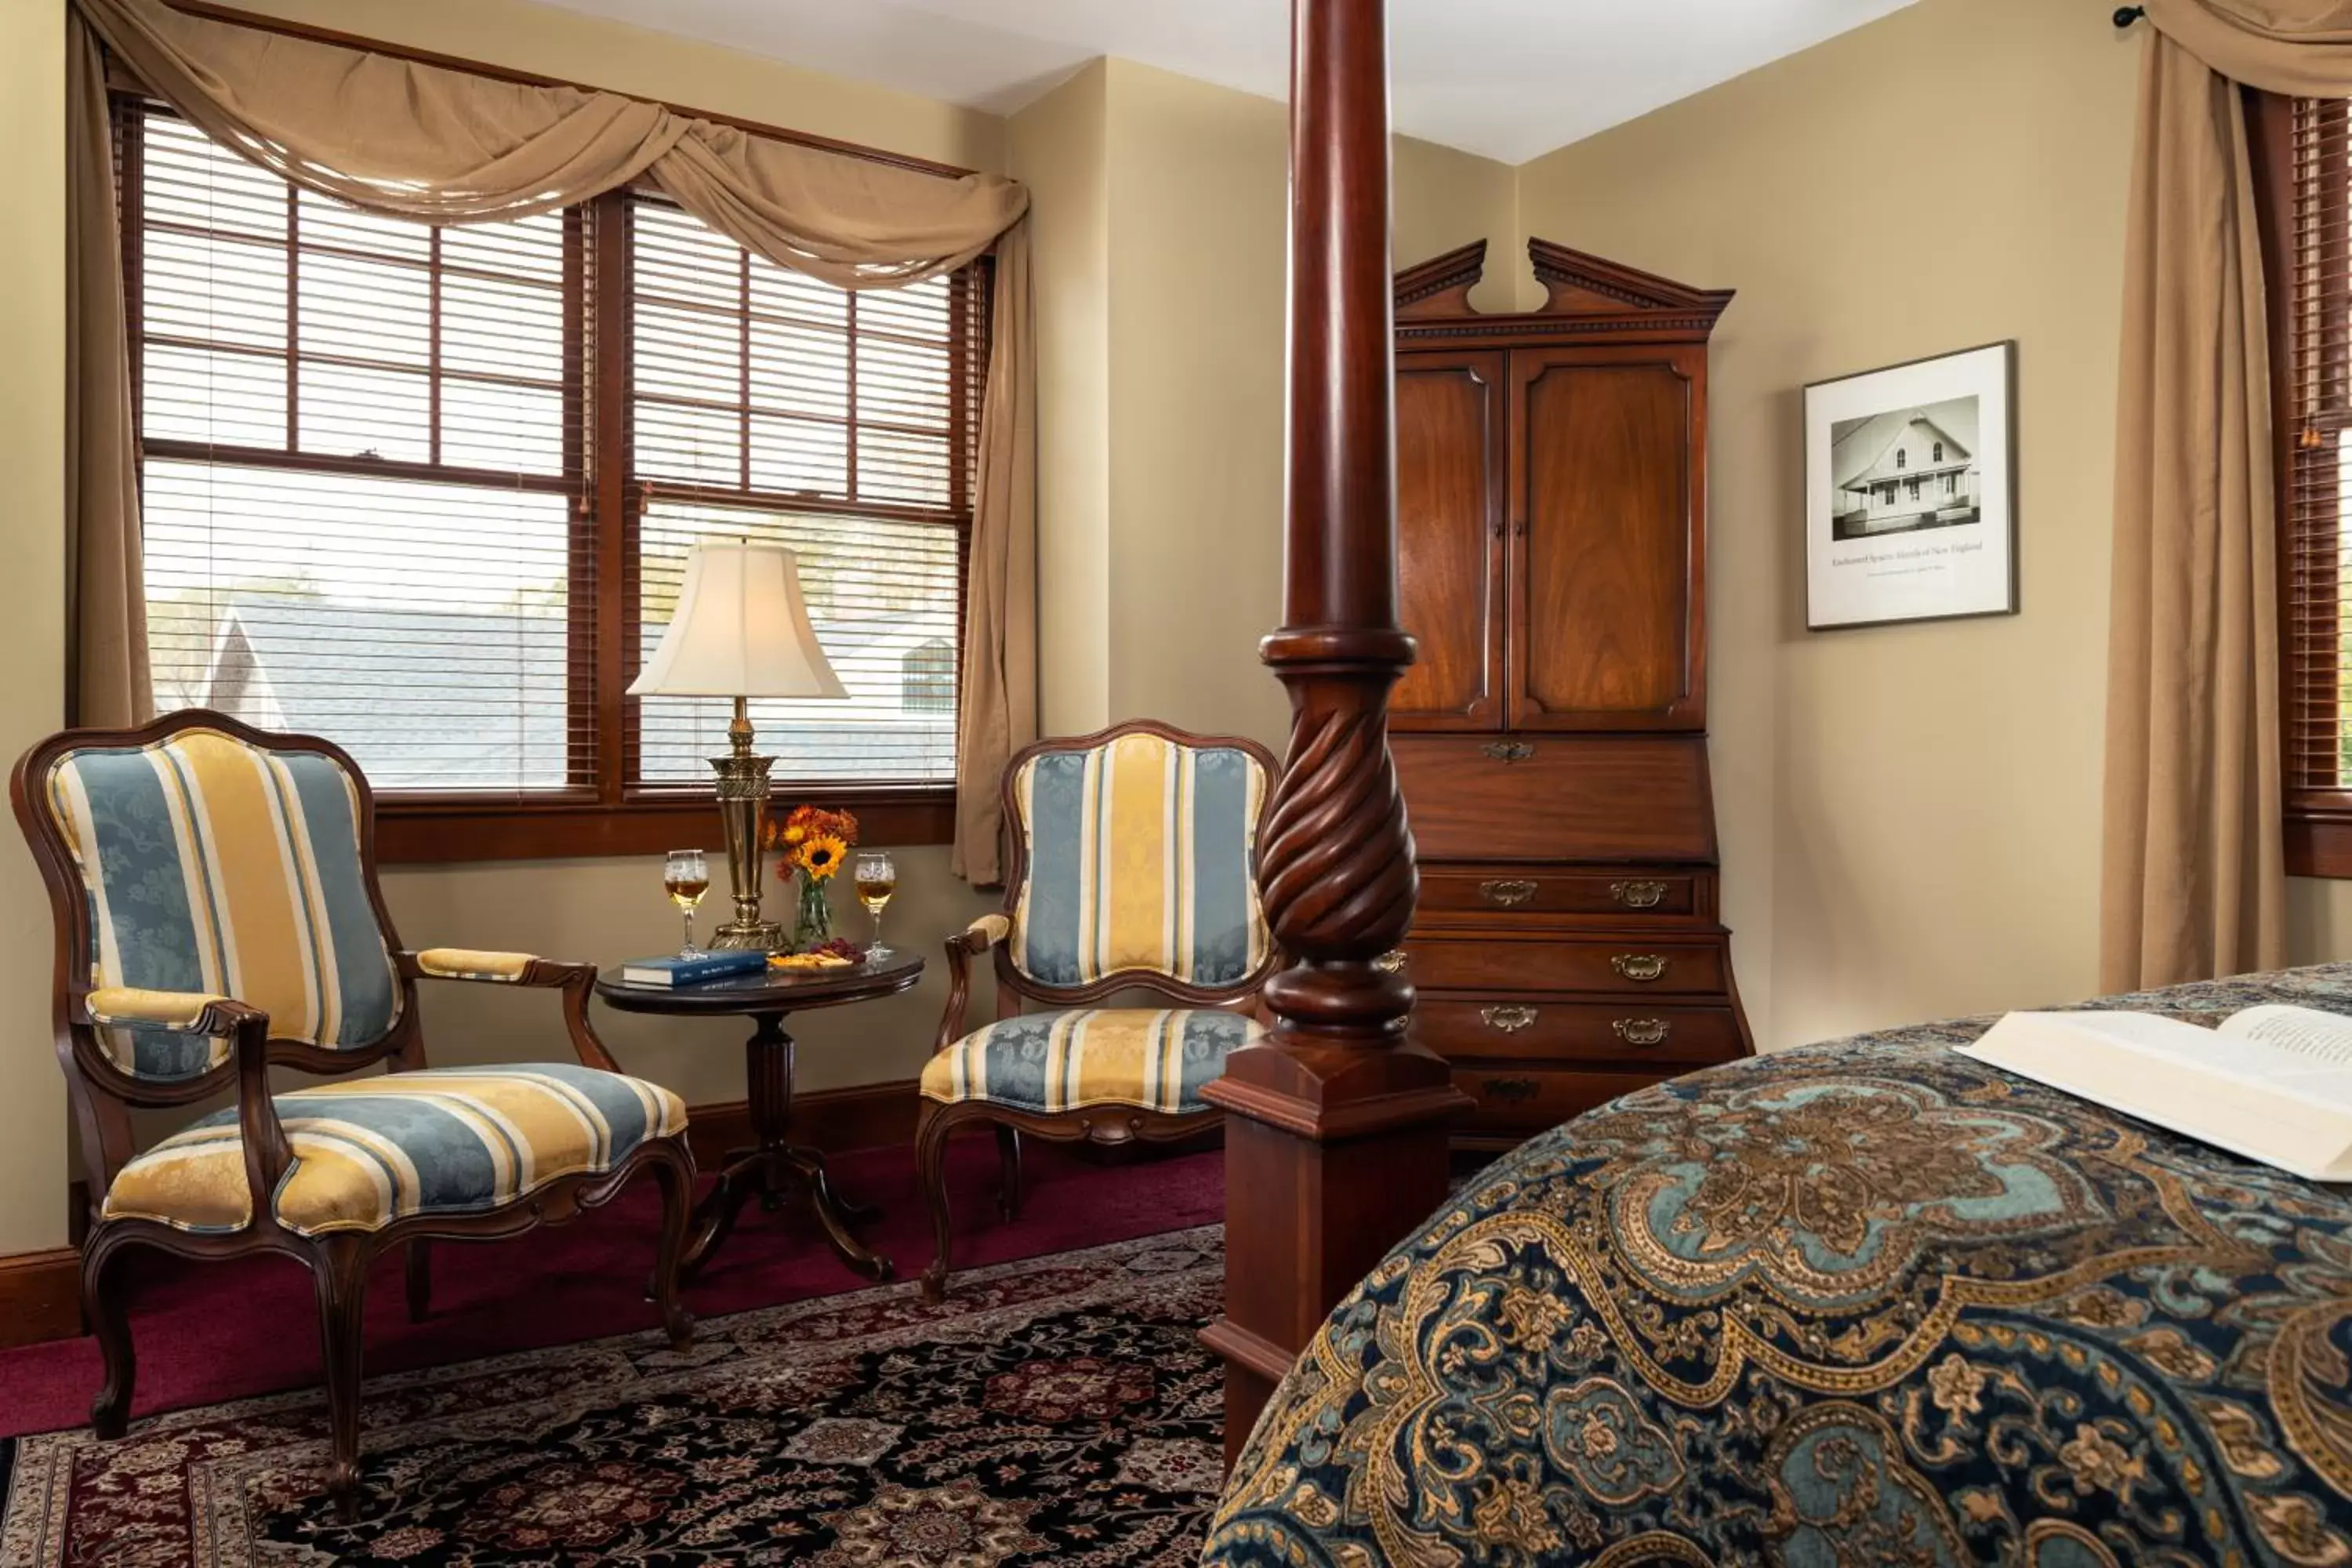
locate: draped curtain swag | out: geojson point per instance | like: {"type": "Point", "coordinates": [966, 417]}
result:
{"type": "Point", "coordinates": [448, 146]}
{"type": "Point", "coordinates": [2194, 880]}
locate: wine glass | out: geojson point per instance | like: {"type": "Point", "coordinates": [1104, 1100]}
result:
{"type": "Point", "coordinates": [686, 877]}
{"type": "Point", "coordinates": [877, 878]}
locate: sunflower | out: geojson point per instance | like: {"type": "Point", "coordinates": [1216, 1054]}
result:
{"type": "Point", "coordinates": [821, 858]}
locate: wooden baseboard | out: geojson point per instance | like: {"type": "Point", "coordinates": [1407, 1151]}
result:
{"type": "Point", "coordinates": [830, 1120]}
{"type": "Point", "coordinates": [40, 1295]}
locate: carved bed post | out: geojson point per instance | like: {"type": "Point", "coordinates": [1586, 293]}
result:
{"type": "Point", "coordinates": [1336, 1144]}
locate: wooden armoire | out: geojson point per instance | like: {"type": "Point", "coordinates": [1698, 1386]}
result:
{"type": "Point", "coordinates": [1551, 737]}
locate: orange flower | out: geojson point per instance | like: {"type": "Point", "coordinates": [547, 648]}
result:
{"type": "Point", "coordinates": [821, 858]}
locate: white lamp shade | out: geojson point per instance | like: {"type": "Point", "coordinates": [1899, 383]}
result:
{"type": "Point", "coordinates": [741, 629]}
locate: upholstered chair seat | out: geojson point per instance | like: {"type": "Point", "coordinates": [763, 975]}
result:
{"type": "Point", "coordinates": [1153, 1059]}
{"type": "Point", "coordinates": [441, 1141]}
{"type": "Point", "coordinates": [1132, 870]}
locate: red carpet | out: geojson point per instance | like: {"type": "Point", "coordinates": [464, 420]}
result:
{"type": "Point", "coordinates": [209, 1333]}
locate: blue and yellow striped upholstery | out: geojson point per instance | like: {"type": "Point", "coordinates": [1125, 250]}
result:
{"type": "Point", "coordinates": [1139, 855]}
{"type": "Point", "coordinates": [1151, 1058]}
{"type": "Point", "coordinates": [443, 1141]}
{"type": "Point", "coordinates": [218, 867]}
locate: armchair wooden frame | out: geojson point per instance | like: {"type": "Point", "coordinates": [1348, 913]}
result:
{"type": "Point", "coordinates": [102, 1096]}
{"type": "Point", "coordinates": [1102, 1124]}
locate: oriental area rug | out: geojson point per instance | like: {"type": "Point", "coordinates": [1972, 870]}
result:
{"type": "Point", "coordinates": [1056, 1410]}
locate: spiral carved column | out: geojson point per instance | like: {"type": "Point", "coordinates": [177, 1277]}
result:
{"type": "Point", "coordinates": [1335, 1142]}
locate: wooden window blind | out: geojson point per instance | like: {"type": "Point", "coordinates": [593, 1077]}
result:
{"type": "Point", "coordinates": [362, 456]}
{"type": "Point", "coordinates": [428, 492]}
{"type": "Point", "coordinates": [770, 406]}
{"type": "Point", "coordinates": [2305, 201]}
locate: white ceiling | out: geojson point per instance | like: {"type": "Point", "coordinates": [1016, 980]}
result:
{"type": "Point", "coordinates": [1508, 79]}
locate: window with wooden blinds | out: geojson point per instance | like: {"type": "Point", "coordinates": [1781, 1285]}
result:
{"type": "Point", "coordinates": [768, 405]}
{"type": "Point", "coordinates": [428, 492]}
{"type": "Point", "coordinates": [363, 455]}
{"type": "Point", "coordinates": [2306, 200]}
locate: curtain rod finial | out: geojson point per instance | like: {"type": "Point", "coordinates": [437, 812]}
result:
{"type": "Point", "coordinates": [2127, 14]}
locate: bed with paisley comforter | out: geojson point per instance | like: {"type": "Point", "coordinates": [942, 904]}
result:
{"type": "Point", "coordinates": [1860, 1303]}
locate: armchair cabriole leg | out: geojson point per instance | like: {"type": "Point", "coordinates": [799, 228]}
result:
{"type": "Point", "coordinates": [339, 1271]}
{"type": "Point", "coordinates": [675, 1173]}
{"type": "Point", "coordinates": [109, 1318]}
{"type": "Point", "coordinates": [931, 1174]}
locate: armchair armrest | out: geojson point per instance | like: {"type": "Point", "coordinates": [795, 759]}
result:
{"type": "Point", "coordinates": [975, 939]}
{"type": "Point", "coordinates": [187, 1012]}
{"type": "Point", "coordinates": [267, 1153]}
{"type": "Point", "coordinates": [527, 970]}
{"type": "Point", "coordinates": [470, 963]}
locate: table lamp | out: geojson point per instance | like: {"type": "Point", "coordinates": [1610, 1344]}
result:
{"type": "Point", "coordinates": [740, 630]}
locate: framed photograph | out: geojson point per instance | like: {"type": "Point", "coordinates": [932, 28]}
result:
{"type": "Point", "coordinates": [1911, 491]}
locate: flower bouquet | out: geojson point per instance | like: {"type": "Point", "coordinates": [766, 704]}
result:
{"type": "Point", "coordinates": [814, 844]}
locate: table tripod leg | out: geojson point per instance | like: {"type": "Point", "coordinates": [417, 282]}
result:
{"type": "Point", "coordinates": [835, 1217]}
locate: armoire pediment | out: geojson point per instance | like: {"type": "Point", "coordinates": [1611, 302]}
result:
{"type": "Point", "coordinates": [1579, 287]}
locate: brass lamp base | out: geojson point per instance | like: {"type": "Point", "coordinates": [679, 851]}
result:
{"type": "Point", "coordinates": [743, 812]}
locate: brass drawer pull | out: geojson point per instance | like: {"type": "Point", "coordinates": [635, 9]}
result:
{"type": "Point", "coordinates": [1509, 751]}
{"type": "Point", "coordinates": [1509, 1019]}
{"type": "Point", "coordinates": [1390, 962]}
{"type": "Point", "coordinates": [1642, 1031]}
{"type": "Point", "coordinates": [1639, 965]}
{"type": "Point", "coordinates": [1638, 895]}
{"type": "Point", "coordinates": [1511, 1091]}
{"type": "Point", "coordinates": [1507, 892]}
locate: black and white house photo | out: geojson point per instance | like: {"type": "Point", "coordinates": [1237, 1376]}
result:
{"type": "Point", "coordinates": [1910, 491]}
{"type": "Point", "coordinates": [1906, 469]}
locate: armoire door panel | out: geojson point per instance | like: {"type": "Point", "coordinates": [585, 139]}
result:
{"type": "Point", "coordinates": [1451, 430]}
{"type": "Point", "coordinates": [1604, 544]}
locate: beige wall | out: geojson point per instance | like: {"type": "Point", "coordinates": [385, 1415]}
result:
{"type": "Point", "coordinates": [1058, 148]}
{"type": "Point", "coordinates": [32, 599]}
{"type": "Point", "coordinates": [1161, 289]}
{"type": "Point", "coordinates": [1910, 815]}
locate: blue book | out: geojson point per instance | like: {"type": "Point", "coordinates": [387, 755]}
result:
{"type": "Point", "coordinates": [674, 971]}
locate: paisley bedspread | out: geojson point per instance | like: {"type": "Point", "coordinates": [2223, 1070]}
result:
{"type": "Point", "coordinates": [1860, 1303]}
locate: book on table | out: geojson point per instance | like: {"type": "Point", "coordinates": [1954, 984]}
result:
{"type": "Point", "coordinates": [2272, 1083]}
{"type": "Point", "coordinates": [674, 971]}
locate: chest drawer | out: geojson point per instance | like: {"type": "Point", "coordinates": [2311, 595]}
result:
{"type": "Point", "coordinates": [1632, 965]}
{"type": "Point", "coordinates": [1524, 1101]}
{"type": "Point", "coordinates": [1536, 892]}
{"type": "Point", "coordinates": [1534, 1029]}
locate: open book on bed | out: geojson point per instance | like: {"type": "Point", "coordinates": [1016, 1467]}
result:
{"type": "Point", "coordinates": [2272, 1083]}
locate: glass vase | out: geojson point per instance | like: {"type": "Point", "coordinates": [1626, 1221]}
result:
{"type": "Point", "coordinates": [813, 925]}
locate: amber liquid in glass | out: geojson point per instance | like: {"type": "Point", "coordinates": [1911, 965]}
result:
{"type": "Point", "coordinates": [686, 893]}
{"type": "Point", "coordinates": [874, 891]}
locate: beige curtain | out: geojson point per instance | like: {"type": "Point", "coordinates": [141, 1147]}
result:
{"type": "Point", "coordinates": [2194, 880]}
{"type": "Point", "coordinates": [106, 651]}
{"type": "Point", "coordinates": [449, 146]}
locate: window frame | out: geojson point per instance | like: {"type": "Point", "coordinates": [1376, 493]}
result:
{"type": "Point", "coordinates": [603, 809]}
{"type": "Point", "coordinates": [2316, 821]}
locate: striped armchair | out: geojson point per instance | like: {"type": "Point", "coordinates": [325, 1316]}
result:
{"type": "Point", "coordinates": [218, 913]}
{"type": "Point", "coordinates": [1132, 870]}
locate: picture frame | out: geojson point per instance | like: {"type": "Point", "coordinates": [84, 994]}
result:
{"type": "Point", "coordinates": [1911, 491]}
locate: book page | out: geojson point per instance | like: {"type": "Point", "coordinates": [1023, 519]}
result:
{"type": "Point", "coordinates": [2299, 1048]}
{"type": "Point", "coordinates": [2262, 1100]}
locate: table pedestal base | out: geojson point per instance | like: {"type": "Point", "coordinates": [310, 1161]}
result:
{"type": "Point", "coordinates": [773, 1169]}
